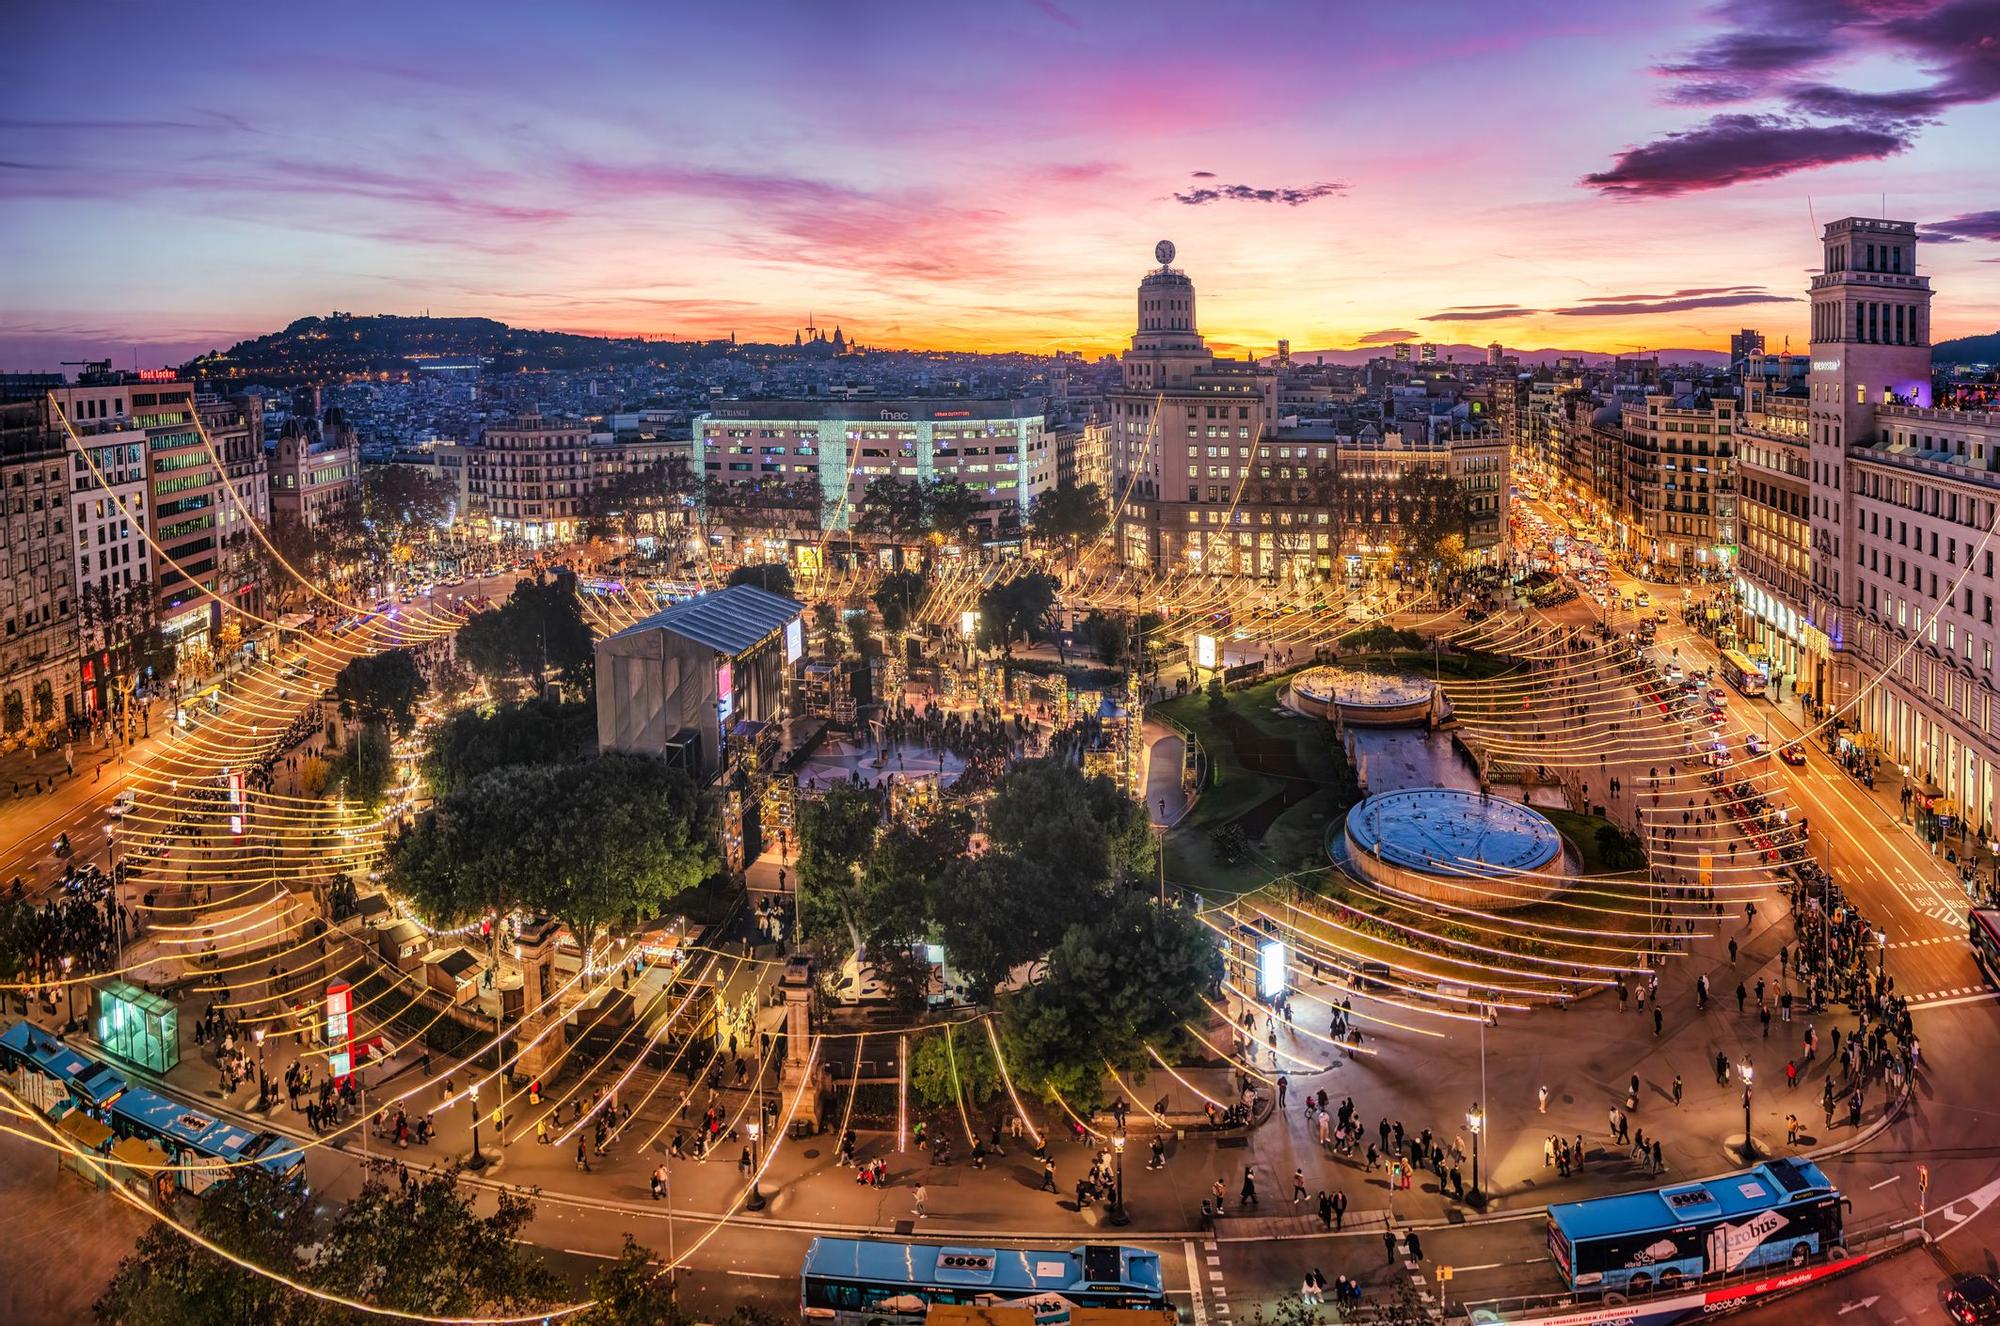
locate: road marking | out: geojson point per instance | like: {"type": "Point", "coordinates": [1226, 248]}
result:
{"type": "Point", "coordinates": [1927, 1002]}
{"type": "Point", "coordinates": [612, 1257]}
{"type": "Point", "coordinates": [1893, 1178]}
{"type": "Point", "coordinates": [1194, 1286]}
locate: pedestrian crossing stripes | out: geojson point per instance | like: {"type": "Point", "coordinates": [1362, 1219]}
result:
{"type": "Point", "coordinates": [1923, 943]}
{"type": "Point", "coordinates": [1935, 995]}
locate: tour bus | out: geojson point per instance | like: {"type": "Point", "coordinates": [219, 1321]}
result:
{"type": "Point", "coordinates": [203, 1147]}
{"type": "Point", "coordinates": [1740, 672]}
{"type": "Point", "coordinates": [1780, 1212]}
{"type": "Point", "coordinates": [872, 1282]}
{"type": "Point", "coordinates": [1983, 928]}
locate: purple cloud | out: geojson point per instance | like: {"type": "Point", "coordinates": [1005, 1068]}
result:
{"type": "Point", "coordinates": [1479, 314]}
{"type": "Point", "coordinates": [1973, 225]}
{"type": "Point", "coordinates": [1204, 175]}
{"type": "Point", "coordinates": [1244, 193]}
{"type": "Point", "coordinates": [1739, 149]}
{"type": "Point", "coordinates": [1669, 305]}
{"type": "Point", "coordinates": [1387, 336]}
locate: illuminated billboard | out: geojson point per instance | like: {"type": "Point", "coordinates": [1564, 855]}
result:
{"type": "Point", "coordinates": [1204, 651]}
{"type": "Point", "coordinates": [1271, 968]}
{"type": "Point", "coordinates": [795, 639]}
{"type": "Point", "coordinates": [725, 698]}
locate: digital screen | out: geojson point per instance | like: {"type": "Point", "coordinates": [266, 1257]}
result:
{"type": "Point", "coordinates": [1204, 651]}
{"type": "Point", "coordinates": [725, 699]}
{"type": "Point", "coordinates": [968, 622]}
{"type": "Point", "coordinates": [1271, 969]}
{"type": "Point", "coordinates": [795, 639]}
{"type": "Point", "coordinates": [339, 999]}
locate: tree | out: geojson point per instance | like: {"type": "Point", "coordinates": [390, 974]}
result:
{"type": "Point", "coordinates": [381, 688]}
{"type": "Point", "coordinates": [997, 911]}
{"type": "Point", "coordinates": [898, 597]}
{"type": "Point", "coordinates": [368, 766]}
{"type": "Point", "coordinates": [1430, 506]}
{"type": "Point", "coordinates": [426, 1249]}
{"type": "Point", "coordinates": [893, 509]}
{"type": "Point", "coordinates": [950, 509]}
{"type": "Point", "coordinates": [1076, 827]}
{"type": "Point", "coordinates": [1021, 606]}
{"type": "Point", "coordinates": [774, 577]}
{"type": "Point", "coordinates": [401, 505]}
{"type": "Point", "coordinates": [1068, 514]}
{"type": "Point", "coordinates": [170, 1280]}
{"type": "Point", "coordinates": [537, 731]}
{"type": "Point", "coordinates": [539, 630]}
{"type": "Point", "coordinates": [610, 839]}
{"type": "Point", "coordinates": [1121, 982]}
{"type": "Point", "coordinates": [942, 1073]}
{"type": "Point", "coordinates": [836, 833]}
{"type": "Point", "coordinates": [1105, 634]}
{"type": "Point", "coordinates": [646, 500]}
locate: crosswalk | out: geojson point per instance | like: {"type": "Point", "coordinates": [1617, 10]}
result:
{"type": "Point", "coordinates": [1961, 993]}
{"type": "Point", "coordinates": [1926, 943]}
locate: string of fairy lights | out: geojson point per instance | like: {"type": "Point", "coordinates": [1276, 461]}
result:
{"type": "Point", "coordinates": [177, 811]}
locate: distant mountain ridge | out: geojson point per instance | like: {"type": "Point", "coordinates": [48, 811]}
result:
{"type": "Point", "coordinates": [1968, 350]}
{"type": "Point", "coordinates": [344, 343]}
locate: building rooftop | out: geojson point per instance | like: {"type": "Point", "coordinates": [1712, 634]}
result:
{"type": "Point", "coordinates": [728, 621]}
{"type": "Point", "coordinates": [876, 409]}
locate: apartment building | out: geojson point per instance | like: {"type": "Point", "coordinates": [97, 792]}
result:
{"type": "Point", "coordinates": [533, 477]}
{"type": "Point", "coordinates": [315, 469]}
{"type": "Point", "coordinates": [1678, 502]}
{"type": "Point", "coordinates": [1000, 449]}
{"type": "Point", "coordinates": [38, 652]}
{"type": "Point", "coordinates": [235, 426]}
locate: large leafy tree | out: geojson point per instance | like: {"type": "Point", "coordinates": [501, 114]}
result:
{"type": "Point", "coordinates": [1068, 514]}
{"type": "Point", "coordinates": [538, 632]}
{"type": "Point", "coordinates": [611, 839]}
{"type": "Point", "coordinates": [427, 1249]}
{"type": "Point", "coordinates": [775, 577]}
{"type": "Point", "coordinates": [170, 1280]}
{"type": "Point", "coordinates": [1431, 508]}
{"type": "Point", "coordinates": [898, 597]}
{"type": "Point", "coordinates": [996, 911]}
{"type": "Point", "coordinates": [646, 499]}
{"type": "Point", "coordinates": [1065, 823]}
{"type": "Point", "coordinates": [893, 509]}
{"type": "Point", "coordinates": [382, 688]}
{"type": "Point", "coordinates": [1020, 607]}
{"type": "Point", "coordinates": [538, 731]}
{"type": "Point", "coordinates": [402, 505]}
{"type": "Point", "coordinates": [1128, 979]}
{"type": "Point", "coordinates": [836, 833]}
{"type": "Point", "coordinates": [950, 508]}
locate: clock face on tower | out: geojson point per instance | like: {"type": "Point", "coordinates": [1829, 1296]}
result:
{"type": "Point", "coordinates": [1164, 252]}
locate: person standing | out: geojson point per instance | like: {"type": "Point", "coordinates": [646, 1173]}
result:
{"type": "Point", "coordinates": [1389, 1246]}
{"type": "Point", "coordinates": [1416, 1247]}
{"type": "Point", "coordinates": [1542, 1099]}
{"type": "Point", "coordinates": [922, 1196]}
{"type": "Point", "coordinates": [1248, 1195]}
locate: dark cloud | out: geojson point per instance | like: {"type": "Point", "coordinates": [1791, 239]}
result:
{"type": "Point", "coordinates": [1677, 294]}
{"type": "Point", "coordinates": [1740, 149]}
{"type": "Point", "coordinates": [1388, 336]}
{"type": "Point", "coordinates": [1204, 175]}
{"type": "Point", "coordinates": [1479, 315]}
{"type": "Point", "coordinates": [1973, 225]}
{"type": "Point", "coordinates": [1782, 51]}
{"type": "Point", "coordinates": [1244, 193]}
{"type": "Point", "coordinates": [1757, 53]}
{"type": "Point", "coordinates": [1668, 305]}
{"type": "Point", "coordinates": [1460, 308]}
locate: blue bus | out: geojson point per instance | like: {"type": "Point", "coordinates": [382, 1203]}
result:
{"type": "Point", "coordinates": [204, 1146]}
{"type": "Point", "coordinates": [868, 1282]}
{"type": "Point", "coordinates": [1783, 1212]}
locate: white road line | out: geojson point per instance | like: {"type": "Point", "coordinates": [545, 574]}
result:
{"type": "Point", "coordinates": [1893, 1178]}
{"type": "Point", "coordinates": [612, 1257]}
{"type": "Point", "coordinates": [1928, 1005]}
{"type": "Point", "coordinates": [1194, 1286]}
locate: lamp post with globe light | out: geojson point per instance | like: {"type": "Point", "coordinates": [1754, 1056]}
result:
{"type": "Point", "coordinates": [478, 1162]}
{"type": "Point", "coordinates": [1118, 1216]}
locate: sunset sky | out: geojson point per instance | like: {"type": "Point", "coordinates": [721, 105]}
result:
{"type": "Point", "coordinates": [987, 175]}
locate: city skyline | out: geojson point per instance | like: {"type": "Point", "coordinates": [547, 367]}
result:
{"type": "Point", "coordinates": [989, 180]}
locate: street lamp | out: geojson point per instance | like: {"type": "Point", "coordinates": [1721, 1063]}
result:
{"type": "Point", "coordinates": [755, 1201]}
{"type": "Point", "coordinates": [478, 1162]}
{"type": "Point", "coordinates": [1475, 1123]}
{"type": "Point", "coordinates": [1749, 1143]}
{"type": "Point", "coordinates": [69, 992]}
{"type": "Point", "coordinates": [1118, 1216]}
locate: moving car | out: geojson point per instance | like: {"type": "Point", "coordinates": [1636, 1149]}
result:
{"type": "Point", "coordinates": [1756, 745]}
{"type": "Point", "coordinates": [122, 804]}
{"type": "Point", "coordinates": [1792, 753]}
{"type": "Point", "coordinates": [1973, 1300]}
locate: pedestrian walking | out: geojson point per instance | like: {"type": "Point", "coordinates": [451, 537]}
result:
{"type": "Point", "coordinates": [921, 1196]}
{"type": "Point", "coordinates": [1389, 1246]}
{"type": "Point", "coordinates": [1248, 1195]}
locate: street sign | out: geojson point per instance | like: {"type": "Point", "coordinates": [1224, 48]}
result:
{"type": "Point", "coordinates": [1444, 1273]}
